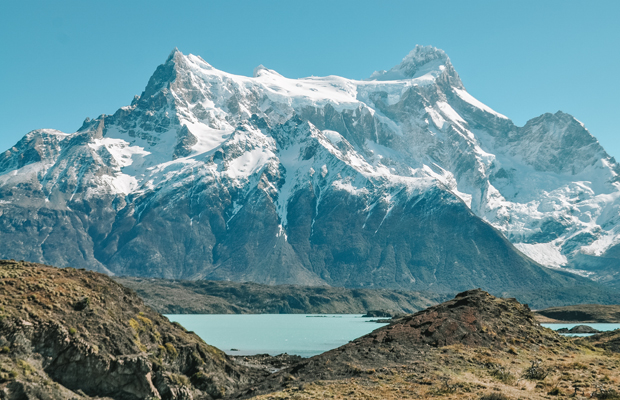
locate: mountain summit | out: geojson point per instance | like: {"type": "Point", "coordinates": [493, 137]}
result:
{"type": "Point", "coordinates": [404, 180]}
{"type": "Point", "coordinates": [423, 61]}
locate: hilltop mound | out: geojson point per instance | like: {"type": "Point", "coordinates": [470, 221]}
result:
{"type": "Point", "coordinates": [66, 333]}
{"type": "Point", "coordinates": [473, 318]}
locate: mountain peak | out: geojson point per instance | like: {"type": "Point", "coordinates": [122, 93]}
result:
{"type": "Point", "coordinates": [174, 54]}
{"type": "Point", "coordinates": [167, 73]}
{"type": "Point", "coordinates": [420, 56]}
{"type": "Point", "coordinates": [262, 70]}
{"type": "Point", "coordinates": [421, 61]}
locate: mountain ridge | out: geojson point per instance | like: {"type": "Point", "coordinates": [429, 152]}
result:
{"type": "Point", "coordinates": [240, 176]}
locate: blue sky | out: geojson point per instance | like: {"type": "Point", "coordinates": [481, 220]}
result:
{"type": "Point", "coordinates": [63, 61]}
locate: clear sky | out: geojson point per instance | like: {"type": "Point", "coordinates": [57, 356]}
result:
{"type": "Point", "coordinates": [63, 61]}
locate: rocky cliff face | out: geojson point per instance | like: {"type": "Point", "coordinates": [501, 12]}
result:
{"type": "Point", "coordinates": [403, 180]}
{"type": "Point", "coordinates": [73, 334]}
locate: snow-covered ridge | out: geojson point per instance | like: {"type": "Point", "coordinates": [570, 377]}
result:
{"type": "Point", "coordinates": [549, 187]}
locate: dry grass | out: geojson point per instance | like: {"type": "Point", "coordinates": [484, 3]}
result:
{"type": "Point", "coordinates": [580, 374]}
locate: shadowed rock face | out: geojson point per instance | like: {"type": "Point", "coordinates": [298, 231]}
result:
{"type": "Point", "coordinates": [87, 333]}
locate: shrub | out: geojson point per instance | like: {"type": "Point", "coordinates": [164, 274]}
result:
{"type": "Point", "coordinates": [606, 393]}
{"type": "Point", "coordinates": [26, 368]}
{"type": "Point", "coordinates": [145, 321]}
{"type": "Point", "coordinates": [447, 385]}
{"type": "Point", "coordinates": [180, 380]}
{"type": "Point", "coordinates": [503, 375]}
{"type": "Point", "coordinates": [536, 372]}
{"type": "Point", "coordinates": [171, 350]}
{"type": "Point", "coordinates": [495, 396]}
{"type": "Point", "coordinates": [72, 331]}
{"type": "Point", "coordinates": [81, 304]}
{"type": "Point", "coordinates": [135, 325]}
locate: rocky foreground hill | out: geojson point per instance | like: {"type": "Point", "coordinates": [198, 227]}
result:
{"type": "Point", "coordinates": [73, 334]}
{"type": "Point", "coordinates": [68, 334]}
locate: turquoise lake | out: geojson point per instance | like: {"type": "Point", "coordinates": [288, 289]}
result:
{"type": "Point", "coordinates": [301, 334]}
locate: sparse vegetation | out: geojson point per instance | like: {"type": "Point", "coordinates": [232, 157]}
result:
{"type": "Point", "coordinates": [26, 368]}
{"type": "Point", "coordinates": [180, 380]}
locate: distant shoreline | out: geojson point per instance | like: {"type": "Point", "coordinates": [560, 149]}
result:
{"type": "Point", "coordinates": [580, 314]}
{"type": "Point", "coordinates": [224, 297]}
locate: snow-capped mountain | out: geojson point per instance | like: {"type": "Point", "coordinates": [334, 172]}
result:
{"type": "Point", "coordinates": [401, 180]}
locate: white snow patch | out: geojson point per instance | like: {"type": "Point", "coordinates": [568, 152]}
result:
{"type": "Point", "coordinates": [208, 138]}
{"type": "Point", "coordinates": [333, 136]}
{"type": "Point", "coordinates": [449, 112]}
{"type": "Point", "coordinates": [27, 173]}
{"type": "Point", "coordinates": [120, 149]}
{"type": "Point", "coordinates": [248, 163]}
{"type": "Point", "coordinates": [347, 185]}
{"type": "Point", "coordinates": [476, 103]}
{"type": "Point", "coordinates": [544, 253]}
{"type": "Point", "coordinates": [123, 183]}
